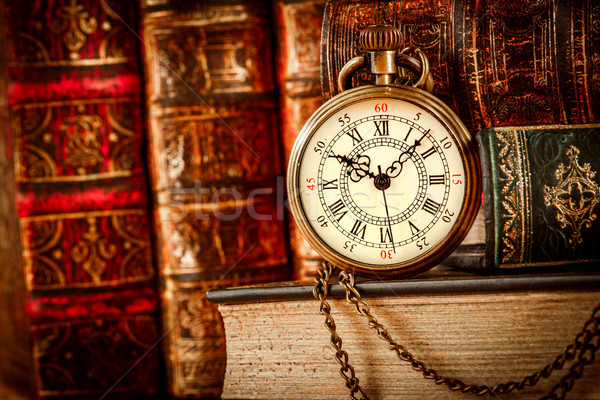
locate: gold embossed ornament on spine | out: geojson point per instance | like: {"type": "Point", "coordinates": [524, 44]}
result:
{"type": "Point", "coordinates": [575, 195]}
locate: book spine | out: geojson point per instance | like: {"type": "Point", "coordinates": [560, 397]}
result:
{"type": "Point", "coordinates": [541, 194]}
{"type": "Point", "coordinates": [298, 32]}
{"type": "Point", "coordinates": [486, 67]}
{"type": "Point", "coordinates": [215, 161]}
{"type": "Point", "coordinates": [427, 24]}
{"type": "Point", "coordinates": [15, 350]}
{"type": "Point", "coordinates": [85, 286]}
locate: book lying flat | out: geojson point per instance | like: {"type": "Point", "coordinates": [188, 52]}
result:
{"type": "Point", "coordinates": [481, 329]}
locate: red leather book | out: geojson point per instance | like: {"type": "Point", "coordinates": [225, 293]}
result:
{"type": "Point", "coordinates": [297, 26]}
{"type": "Point", "coordinates": [77, 284]}
{"type": "Point", "coordinates": [214, 154]}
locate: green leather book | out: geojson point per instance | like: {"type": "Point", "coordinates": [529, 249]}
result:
{"type": "Point", "coordinates": [541, 197]}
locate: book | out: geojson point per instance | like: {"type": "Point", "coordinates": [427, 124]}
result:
{"type": "Point", "coordinates": [77, 283]}
{"type": "Point", "coordinates": [484, 330]}
{"type": "Point", "coordinates": [214, 160]}
{"type": "Point", "coordinates": [8, 393]}
{"type": "Point", "coordinates": [297, 26]}
{"type": "Point", "coordinates": [495, 64]}
{"type": "Point", "coordinates": [541, 198]}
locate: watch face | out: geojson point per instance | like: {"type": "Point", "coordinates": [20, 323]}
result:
{"type": "Point", "coordinates": [379, 180]}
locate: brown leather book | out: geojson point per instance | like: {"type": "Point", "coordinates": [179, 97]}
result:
{"type": "Point", "coordinates": [505, 63]}
{"type": "Point", "coordinates": [77, 284]}
{"type": "Point", "coordinates": [215, 160]}
{"type": "Point", "coordinates": [297, 26]}
{"type": "Point", "coordinates": [483, 330]}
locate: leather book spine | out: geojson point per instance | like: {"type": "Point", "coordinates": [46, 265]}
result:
{"type": "Point", "coordinates": [297, 27]}
{"type": "Point", "coordinates": [83, 283]}
{"type": "Point", "coordinates": [541, 195]}
{"type": "Point", "coordinates": [486, 65]}
{"type": "Point", "coordinates": [216, 168]}
{"type": "Point", "coordinates": [15, 350]}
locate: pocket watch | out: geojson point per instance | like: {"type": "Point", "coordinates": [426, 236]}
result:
{"type": "Point", "coordinates": [384, 179]}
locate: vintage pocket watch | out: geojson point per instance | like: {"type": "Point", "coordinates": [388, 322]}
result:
{"type": "Point", "coordinates": [383, 179]}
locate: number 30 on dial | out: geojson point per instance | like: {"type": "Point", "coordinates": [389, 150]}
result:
{"type": "Point", "coordinates": [384, 180]}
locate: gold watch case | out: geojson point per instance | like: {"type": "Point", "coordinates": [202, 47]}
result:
{"type": "Point", "coordinates": [468, 156]}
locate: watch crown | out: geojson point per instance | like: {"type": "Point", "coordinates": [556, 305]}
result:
{"type": "Point", "coordinates": [381, 37]}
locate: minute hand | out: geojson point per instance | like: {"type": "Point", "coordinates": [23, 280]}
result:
{"type": "Point", "coordinates": [396, 167]}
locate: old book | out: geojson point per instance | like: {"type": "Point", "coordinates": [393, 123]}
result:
{"type": "Point", "coordinates": [541, 197]}
{"type": "Point", "coordinates": [215, 159]}
{"type": "Point", "coordinates": [297, 26]}
{"type": "Point", "coordinates": [495, 63]}
{"type": "Point", "coordinates": [483, 330]}
{"type": "Point", "coordinates": [77, 298]}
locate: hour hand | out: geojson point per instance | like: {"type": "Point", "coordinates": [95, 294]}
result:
{"type": "Point", "coordinates": [394, 170]}
{"type": "Point", "coordinates": [359, 166]}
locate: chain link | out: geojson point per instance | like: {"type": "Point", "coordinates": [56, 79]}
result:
{"type": "Point", "coordinates": [583, 349]}
{"type": "Point", "coordinates": [321, 291]}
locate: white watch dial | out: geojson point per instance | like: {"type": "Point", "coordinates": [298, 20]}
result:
{"type": "Point", "coordinates": [381, 181]}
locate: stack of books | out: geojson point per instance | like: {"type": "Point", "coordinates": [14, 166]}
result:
{"type": "Point", "coordinates": [142, 146]}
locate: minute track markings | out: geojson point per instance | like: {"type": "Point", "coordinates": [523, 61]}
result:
{"type": "Point", "coordinates": [370, 138]}
{"type": "Point", "coordinates": [380, 138]}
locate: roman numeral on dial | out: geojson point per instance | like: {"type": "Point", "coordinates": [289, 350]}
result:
{"type": "Point", "coordinates": [330, 184]}
{"type": "Point", "coordinates": [385, 234]}
{"type": "Point", "coordinates": [356, 138]}
{"type": "Point", "coordinates": [338, 209]}
{"type": "Point", "coordinates": [382, 128]}
{"type": "Point", "coordinates": [413, 228]}
{"type": "Point", "coordinates": [408, 134]}
{"type": "Point", "coordinates": [428, 152]}
{"type": "Point", "coordinates": [359, 229]}
{"type": "Point", "coordinates": [436, 179]}
{"type": "Point", "coordinates": [431, 206]}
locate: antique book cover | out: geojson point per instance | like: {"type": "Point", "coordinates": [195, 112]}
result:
{"type": "Point", "coordinates": [297, 26]}
{"type": "Point", "coordinates": [215, 162]}
{"type": "Point", "coordinates": [541, 196]}
{"type": "Point", "coordinates": [78, 307]}
{"type": "Point", "coordinates": [496, 63]}
{"type": "Point", "coordinates": [483, 330]}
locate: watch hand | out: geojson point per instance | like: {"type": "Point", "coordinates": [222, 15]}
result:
{"type": "Point", "coordinates": [360, 166]}
{"type": "Point", "coordinates": [387, 212]}
{"type": "Point", "coordinates": [396, 167]}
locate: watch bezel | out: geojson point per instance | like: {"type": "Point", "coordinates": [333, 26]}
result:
{"type": "Point", "coordinates": [468, 154]}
